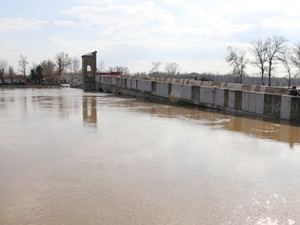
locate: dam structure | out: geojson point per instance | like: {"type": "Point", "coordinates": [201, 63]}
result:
{"type": "Point", "coordinates": [270, 102]}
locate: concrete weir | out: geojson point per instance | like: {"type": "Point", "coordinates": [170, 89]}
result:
{"type": "Point", "coordinates": [273, 104]}
{"type": "Point", "coordinates": [253, 99]}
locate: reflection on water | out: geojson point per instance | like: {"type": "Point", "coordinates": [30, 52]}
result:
{"type": "Point", "coordinates": [142, 163]}
{"type": "Point", "coordinates": [89, 111]}
{"type": "Point", "coordinates": [257, 127]}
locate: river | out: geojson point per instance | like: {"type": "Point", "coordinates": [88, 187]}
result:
{"type": "Point", "coordinates": [69, 157]}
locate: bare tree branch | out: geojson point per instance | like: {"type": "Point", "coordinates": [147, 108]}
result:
{"type": "Point", "coordinates": [11, 74]}
{"type": "Point", "coordinates": [22, 63]}
{"type": "Point", "coordinates": [238, 61]}
{"type": "Point", "coordinates": [75, 66]}
{"type": "Point", "coordinates": [48, 67]}
{"type": "Point", "coordinates": [123, 70]}
{"type": "Point", "coordinates": [285, 58]}
{"type": "Point", "coordinates": [101, 66]}
{"type": "Point", "coordinates": [275, 48]}
{"type": "Point", "coordinates": [258, 50]}
{"type": "Point", "coordinates": [295, 57]}
{"type": "Point", "coordinates": [155, 67]}
{"type": "Point", "coordinates": [172, 68]}
{"type": "Point", "coordinates": [3, 64]}
{"type": "Point", "coordinates": [62, 61]}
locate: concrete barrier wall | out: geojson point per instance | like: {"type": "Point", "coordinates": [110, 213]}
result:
{"type": "Point", "coordinates": [233, 86]}
{"type": "Point", "coordinates": [257, 103]}
{"type": "Point", "coordinates": [144, 85]}
{"type": "Point", "coordinates": [175, 91]}
{"type": "Point", "coordinates": [219, 100]}
{"type": "Point", "coordinates": [186, 92]}
{"type": "Point", "coordinates": [132, 83]}
{"type": "Point", "coordinates": [295, 108]}
{"type": "Point", "coordinates": [162, 89]}
{"type": "Point", "coordinates": [272, 107]}
{"type": "Point", "coordinates": [207, 96]}
{"type": "Point", "coordinates": [253, 102]}
{"type": "Point", "coordinates": [98, 79]}
{"type": "Point", "coordinates": [114, 80]}
{"type": "Point", "coordinates": [180, 91]}
{"type": "Point", "coordinates": [285, 107]}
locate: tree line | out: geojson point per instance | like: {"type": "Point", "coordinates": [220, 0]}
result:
{"type": "Point", "coordinates": [267, 55]}
{"type": "Point", "coordinates": [56, 68]}
{"type": "Point", "coordinates": [170, 68]}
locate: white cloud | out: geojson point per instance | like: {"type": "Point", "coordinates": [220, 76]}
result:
{"type": "Point", "coordinates": [57, 41]}
{"type": "Point", "coordinates": [64, 23]}
{"type": "Point", "coordinates": [98, 2]}
{"type": "Point", "coordinates": [8, 24]}
{"type": "Point", "coordinates": [225, 17]}
{"type": "Point", "coordinates": [127, 15]}
{"type": "Point", "coordinates": [190, 32]}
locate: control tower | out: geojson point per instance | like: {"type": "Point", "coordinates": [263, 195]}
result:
{"type": "Point", "coordinates": [89, 70]}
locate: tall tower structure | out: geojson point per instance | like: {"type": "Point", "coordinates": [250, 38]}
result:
{"type": "Point", "coordinates": [89, 70]}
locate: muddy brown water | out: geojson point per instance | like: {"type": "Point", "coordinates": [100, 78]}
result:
{"type": "Point", "coordinates": [69, 157]}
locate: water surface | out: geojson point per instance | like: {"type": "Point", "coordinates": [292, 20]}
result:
{"type": "Point", "coordinates": [69, 157]}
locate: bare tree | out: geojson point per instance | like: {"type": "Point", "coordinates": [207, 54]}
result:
{"type": "Point", "coordinates": [172, 68]}
{"type": "Point", "coordinates": [123, 70]}
{"type": "Point", "coordinates": [155, 67]}
{"type": "Point", "coordinates": [258, 50]}
{"type": "Point", "coordinates": [285, 59]}
{"type": "Point", "coordinates": [295, 57]}
{"type": "Point", "coordinates": [11, 74]}
{"type": "Point", "coordinates": [62, 62]}
{"type": "Point", "coordinates": [75, 66]}
{"type": "Point", "coordinates": [238, 60]}
{"type": "Point", "coordinates": [101, 66]}
{"type": "Point", "coordinates": [22, 63]}
{"type": "Point", "coordinates": [3, 64]}
{"type": "Point", "coordinates": [48, 67]}
{"type": "Point", "coordinates": [39, 74]}
{"type": "Point", "coordinates": [275, 48]}
{"type": "Point", "coordinates": [140, 74]}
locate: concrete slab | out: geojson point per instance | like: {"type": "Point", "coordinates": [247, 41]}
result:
{"type": "Point", "coordinates": [144, 85]}
{"type": "Point", "coordinates": [285, 110]}
{"type": "Point", "coordinates": [186, 92]}
{"type": "Point", "coordinates": [219, 98]}
{"type": "Point", "coordinates": [196, 94]}
{"type": "Point", "coordinates": [260, 101]}
{"type": "Point", "coordinates": [295, 109]}
{"type": "Point", "coordinates": [252, 102]}
{"type": "Point", "coordinates": [272, 106]}
{"type": "Point", "coordinates": [206, 95]}
{"type": "Point", "coordinates": [175, 91]}
{"type": "Point", "coordinates": [231, 99]}
{"type": "Point", "coordinates": [162, 89]}
{"type": "Point", "coordinates": [245, 101]}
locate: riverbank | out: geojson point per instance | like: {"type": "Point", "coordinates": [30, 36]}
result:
{"type": "Point", "coordinates": [30, 86]}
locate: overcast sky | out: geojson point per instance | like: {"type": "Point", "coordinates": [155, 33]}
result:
{"type": "Point", "coordinates": [132, 33]}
